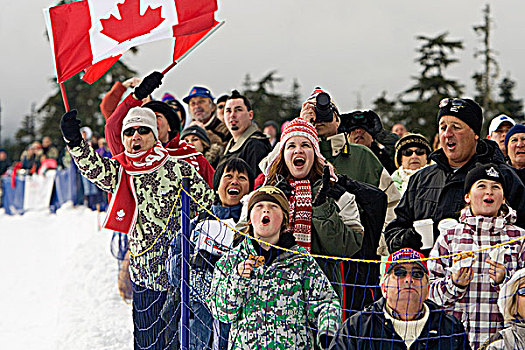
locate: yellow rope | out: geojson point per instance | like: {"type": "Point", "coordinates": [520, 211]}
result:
{"type": "Point", "coordinates": [347, 259]}
{"type": "Point", "coordinates": [163, 230]}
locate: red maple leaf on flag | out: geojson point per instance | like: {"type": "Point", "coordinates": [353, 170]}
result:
{"type": "Point", "coordinates": [132, 24]}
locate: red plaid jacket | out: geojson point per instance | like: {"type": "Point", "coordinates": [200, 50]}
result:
{"type": "Point", "coordinates": [475, 305]}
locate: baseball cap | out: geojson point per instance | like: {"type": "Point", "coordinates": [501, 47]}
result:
{"type": "Point", "coordinates": [405, 254]}
{"type": "Point", "coordinates": [198, 91]}
{"type": "Point", "coordinates": [496, 122]}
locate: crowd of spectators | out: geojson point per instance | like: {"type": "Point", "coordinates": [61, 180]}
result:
{"type": "Point", "coordinates": [298, 199]}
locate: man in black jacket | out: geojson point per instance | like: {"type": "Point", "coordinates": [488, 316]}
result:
{"type": "Point", "coordinates": [248, 142]}
{"type": "Point", "coordinates": [436, 192]}
{"type": "Point", "coordinates": [403, 318]}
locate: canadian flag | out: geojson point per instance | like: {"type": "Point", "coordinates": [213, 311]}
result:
{"type": "Point", "coordinates": [93, 34]}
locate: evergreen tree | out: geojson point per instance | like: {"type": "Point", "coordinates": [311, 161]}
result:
{"type": "Point", "coordinates": [419, 103]}
{"type": "Point", "coordinates": [508, 103]}
{"type": "Point", "coordinates": [83, 97]}
{"type": "Point", "coordinates": [485, 80]}
{"type": "Point", "coordinates": [268, 104]}
{"type": "Point", "coordinates": [387, 109]}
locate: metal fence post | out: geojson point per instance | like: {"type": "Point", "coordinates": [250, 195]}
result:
{"type": "Point", "coordinates": [185, 273]}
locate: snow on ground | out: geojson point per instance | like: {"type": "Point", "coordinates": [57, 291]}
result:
{"type": "Point", "coordinates": [59, 283]}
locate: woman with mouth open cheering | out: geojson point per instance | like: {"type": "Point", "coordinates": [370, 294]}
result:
{"type": "Point", "coordinates": [324, 217]}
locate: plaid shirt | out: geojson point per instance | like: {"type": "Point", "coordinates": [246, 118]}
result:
{"type": "Point", "coordinates": [476, 305]}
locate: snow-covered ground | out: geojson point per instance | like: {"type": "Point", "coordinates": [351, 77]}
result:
{"type": "Point", "coordinates": [59, 284]}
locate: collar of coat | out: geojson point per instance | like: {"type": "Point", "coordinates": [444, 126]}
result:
{"type": "Point", "coordinates": [337, 143]}
{"type": "Point", "coordinates": [495, 223]}
{"type": "Point", "coordinates": [233, 146]}
{"type": "Point", "coordinates": [487, 151]}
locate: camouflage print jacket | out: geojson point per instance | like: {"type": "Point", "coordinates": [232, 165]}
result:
{"type": "Point", "coordinates": [279, 305]}
{"type": "Point", "coordinates": [157, 193]}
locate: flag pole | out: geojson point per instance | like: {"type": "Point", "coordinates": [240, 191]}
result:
{"type": "Point", "coordinates": [174, 63]}
{"type": "Point", "coordinates": [64, 96]}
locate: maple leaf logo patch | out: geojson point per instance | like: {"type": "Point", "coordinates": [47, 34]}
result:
{"type": "Point", "coordinates": [132, 24]}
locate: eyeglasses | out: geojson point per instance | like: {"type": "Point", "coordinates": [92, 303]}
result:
{"type": "Point", "coordinates": [408, 152]}
{"type": "Point", "coordinates": [521, 292]}
{"type": "Point", "coordinates": [401, 272]}
{"type": "Point", "coordinates": [142, 130]}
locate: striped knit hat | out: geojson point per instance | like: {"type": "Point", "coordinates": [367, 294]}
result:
{"type": "Point", "coordinates": [300, 127]}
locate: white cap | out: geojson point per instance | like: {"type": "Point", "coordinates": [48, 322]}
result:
{"type": "Point", "coordinates": [138, 116]}
{"type": "Point", "coordinates": [496, 122]}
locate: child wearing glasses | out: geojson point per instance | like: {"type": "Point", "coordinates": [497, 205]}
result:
{"type": "Point", "coordinates": [411, 155]}
{"type": "Point", "coordinates": [467, 285]}
{"type": "Point", "coordinates": [274, 298]}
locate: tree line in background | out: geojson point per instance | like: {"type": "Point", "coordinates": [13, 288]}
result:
{"type": "Point", "coordinates": [416, 107]}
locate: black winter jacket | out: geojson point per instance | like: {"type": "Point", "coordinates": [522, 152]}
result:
{"type": "Point", "coordinates": [437, 192]}
{"type": "Point", "coordinates": [370, 329]}
{"type": "Point", "coordinates": [251, 147]}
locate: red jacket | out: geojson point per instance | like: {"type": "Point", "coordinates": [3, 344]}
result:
{"type": "Point", "coordinates": [177, 148]}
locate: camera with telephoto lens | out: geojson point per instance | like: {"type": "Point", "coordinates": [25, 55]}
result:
{"type": "Point", "coordinates": [324, 109]}
{"type": "Point", "coordinates": [366, 120]}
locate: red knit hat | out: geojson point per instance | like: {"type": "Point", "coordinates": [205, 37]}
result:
{"type": "Point", "coordinates": [300, 127]}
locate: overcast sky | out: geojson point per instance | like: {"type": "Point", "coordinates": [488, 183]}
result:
{"type": "Point", "coordinates": [353, 49]}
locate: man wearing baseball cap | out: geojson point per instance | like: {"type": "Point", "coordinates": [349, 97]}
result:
{"type": "Point", "coordinates": [436, 192]}
{"type": "Point", "coordinates": [144, 182]}
{"type": "Point", "coordinates": [498, 128]}
{"type": "Point", "coordinates": [203, 112]}
{"type": "Point", "coordinates": [404, 318]}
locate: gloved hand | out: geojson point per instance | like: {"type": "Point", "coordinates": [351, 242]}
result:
{"type": "Point", "coordinates": [148, 85]}
{"type": "Point", "coordinates": [284, 186]}
{"type": "Point", "coordinates": [335, 190]}
{"type": "Point", "coordinates": [321, 195]}
{"type": "Point", "coordinates": [349, 184]}
{"type": "Point", "coordinates": [70, 126]}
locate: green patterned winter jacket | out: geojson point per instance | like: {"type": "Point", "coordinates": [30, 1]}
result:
{"type": "Point", "coordinates": [278, 306]}
{"type": "Point", "coordinates": [157, 192]}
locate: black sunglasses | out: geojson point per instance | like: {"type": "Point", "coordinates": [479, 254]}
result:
{"type": "Point", "coordinates": [142, 130]}
{"type": "Point", "coordinates": [521, 292]}
{"type": "Point", "coordinates": [401, 272]}
{"type": "Point", "coordinates": [408, 152]}
{"type": "Point", "coordinates": [456, 102]}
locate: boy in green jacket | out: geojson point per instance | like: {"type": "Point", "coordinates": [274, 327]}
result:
{"type": "Point", "coordinates": [269, 288]}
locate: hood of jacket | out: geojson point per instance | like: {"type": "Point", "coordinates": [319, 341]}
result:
{"type": "Point", "coordinates": [221, 212]}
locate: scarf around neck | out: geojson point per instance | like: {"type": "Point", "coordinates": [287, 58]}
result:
{"type": "Point", "coordinates": [301, 213]}
{"type": "Point", "coordinates": [123, 206]}
{"type": "Point", "coordinates": [183, 150]}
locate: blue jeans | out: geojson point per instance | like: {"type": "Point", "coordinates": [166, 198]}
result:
{"type": "Point", "coordinates": [149, 328]}
{"type": "Point", "coordinates": [201, 328]}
